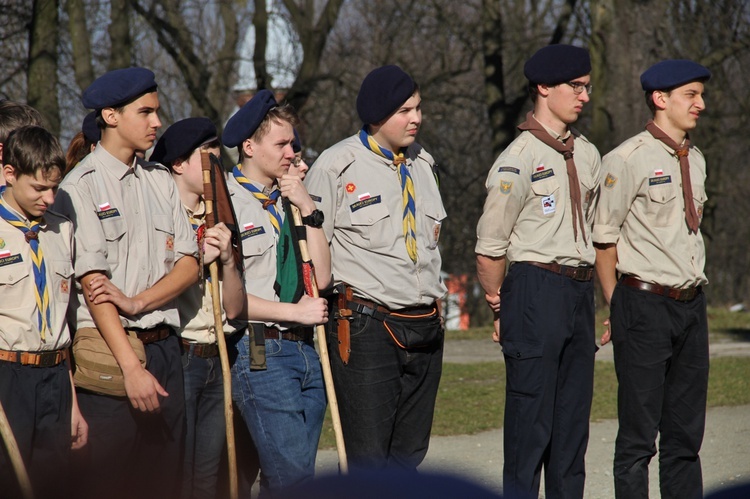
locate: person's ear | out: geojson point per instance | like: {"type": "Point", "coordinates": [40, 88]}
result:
{"type": "Point", "coordinates": [110, 116]}
{"type": "Point", "coordinates": [9, 174]}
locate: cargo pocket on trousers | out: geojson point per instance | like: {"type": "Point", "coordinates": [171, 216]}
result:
{"type": "Point", "coordinates": [522, 366]}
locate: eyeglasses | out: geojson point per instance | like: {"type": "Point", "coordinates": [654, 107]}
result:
{"type": "Point", "coordinates": [578, 87]}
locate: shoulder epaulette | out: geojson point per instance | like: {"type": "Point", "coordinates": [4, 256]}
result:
{"type": "Point", "coordinates": [628, 147]}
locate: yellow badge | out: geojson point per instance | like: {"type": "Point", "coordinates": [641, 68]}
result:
{"type": "Point", "coordinates": [2, 243]}
{"type": "Point", "coordinates": [170, 243]}
{"type": "Point", "coordinates": [505, 187]}
{"type": "Point", "coordinates": [610, 181]}
{"type": "Point", "coordinates": [64, 286]}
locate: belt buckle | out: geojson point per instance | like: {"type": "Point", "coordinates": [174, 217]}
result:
{"type": "Point", "coordinates": [686, 294]}
{"type": "Point", "coordinates": [47, 359]}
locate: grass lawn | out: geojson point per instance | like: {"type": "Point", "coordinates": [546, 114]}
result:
{"type": "Point", "coordinates": [472, 396]}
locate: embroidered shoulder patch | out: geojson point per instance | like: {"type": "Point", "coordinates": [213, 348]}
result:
{"type": "Point", "coordinates": [610, 181]}
{"type": "Point", "coordinates": [505, 187]}
{"type": "Point", "coordinates": [508, 169]}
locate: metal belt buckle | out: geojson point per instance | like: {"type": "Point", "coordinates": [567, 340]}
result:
{"type": "Point", "coordinates": [686, 294]}
{"type": "Point", "coordinates": [47, 359]}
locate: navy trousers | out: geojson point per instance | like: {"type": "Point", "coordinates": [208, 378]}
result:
{"type": "Point", "coordinates": [547, 336]}
{"type": "Point", "coordinates": [661, 359]}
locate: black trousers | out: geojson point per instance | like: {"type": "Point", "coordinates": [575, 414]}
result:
{"type": "Point", "coordinates": [386, 395]}
{"type": "Point", "coordinates": [37, 402]}
{"type": "Point", "coordinates": [132, 453]}
{"type": "Point", "coordinates": [547, 336]}
{"type": "Point", "coordinates": [661, 359]}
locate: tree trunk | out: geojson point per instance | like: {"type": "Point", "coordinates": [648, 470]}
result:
{"type": "Point", "coordinates": [81, 45]}
{"type": "Point", "coordinates": [119, 34]}
{"type": "Point", "coordinates": [42, 69]}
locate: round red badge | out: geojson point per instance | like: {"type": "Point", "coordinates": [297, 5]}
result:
{"type": "Point", "coordinates": [350, 187]}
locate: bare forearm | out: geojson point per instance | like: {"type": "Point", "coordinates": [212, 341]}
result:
{"type": "Point", "coordinates": [491, 272]}
{"type": "Point", "coordinates": [232, 291]}
{"type": "Point", "coordinates": [320, 254]}
{"type": "Point", "coordinates": [260, 309]}
{"type": "Point", "coordinates": [606, 265]}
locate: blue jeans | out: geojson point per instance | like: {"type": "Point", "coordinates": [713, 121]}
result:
{"type": "Point", "coordinates": [206, 427]}
{"type": "Point", "coordinates": [283, 407]}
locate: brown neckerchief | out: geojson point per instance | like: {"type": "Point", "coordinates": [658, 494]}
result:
{"type": "Point", "coordinates": [532, 126]}
{"type": "Point", "coordinates": [681, 151]}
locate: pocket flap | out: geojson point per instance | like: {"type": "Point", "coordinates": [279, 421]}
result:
{"type": "Point", "coordinates": [521, 350]}
{"type": "Point", "coordinates": [370, 214]}
{"type": "Point", "coordinates": [11, 274]}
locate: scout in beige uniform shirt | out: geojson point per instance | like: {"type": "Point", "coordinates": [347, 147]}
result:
{"type": "Point", "coordinates": [382, 263]}
{"type": "Point", "coordinates": [135, 229]}
{"type": "Point", "coordinates": [527, 214]}
{"type": "Point", "coordinates": [650, 260]}
{"type": "Point", "coordinates": [20, 331]}
{"type": "Point", "coordinates": [642, 211]}
{"type": "Point", "coordinates": [36, 249]}
{"type": "Point", "coordinates": [360, 195]}
{"type": "Point", "coordinates": [541, 194]}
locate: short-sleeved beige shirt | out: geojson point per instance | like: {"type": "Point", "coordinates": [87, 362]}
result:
{"type": "Point", "coordinates": [196, 305]}
{"type": "Point", "coordinates": [527, 214]}
{"type": "Point", "coordinates": [129, 224]}
{"type": "Point", "coordinates": [360, 194]}
{"type": "Point", "coordinates": [258, 240]}
{"type": "Point", "coordinates": [642, 211]}
{"type": "Point", "coordinates": [19, 324]}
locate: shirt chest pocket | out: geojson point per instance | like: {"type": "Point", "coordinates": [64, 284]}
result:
{"type": "Point", "coordinates": [164, 238]}
{"type": "Point", "coordinates": [256, 252]}
{"type": "Point", "coordinates": [546, 196]}
{"type": "Point", "coordinates": [372, 224]}
{"type": "Point", "coordinates": [62, 274]}
{"type": "Point", "coordinates": [15, 280]}
{"type": "Point", "coordinates": [114, 228]}
{"type": "Point", "coordinates": [663, 208]}
{"type": "Point", "coordinates": [431, 222]}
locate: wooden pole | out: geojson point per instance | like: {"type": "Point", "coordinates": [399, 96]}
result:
{"type": "Point", "coordinates": [223, 355]}
{"type": "Point", "coordinates": [325, 360]}
{"type": "Point", "coordinates": [15, 455]}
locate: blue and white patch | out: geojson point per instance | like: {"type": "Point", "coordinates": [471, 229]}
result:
{"type": "Point", "coordinates": [541, 175]}
{"type": "Point", "coordinates": [660, 180]}
{"type": "Point", "coordinates": [250, 230]}
{"type": "Point", "coordinates": [508, 169]}
{"type": "Point", "coordinates": [10, 260]}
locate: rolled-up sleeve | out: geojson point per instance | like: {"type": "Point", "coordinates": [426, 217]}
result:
{"type": "Point", "coordinates": [507, 188]}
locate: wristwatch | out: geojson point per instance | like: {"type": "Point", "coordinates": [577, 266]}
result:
{"type": "Point", "coordinates": [314, 219]}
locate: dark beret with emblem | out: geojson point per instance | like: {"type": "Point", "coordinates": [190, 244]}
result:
{"type": "Point", "coordinates": [555, 64]}
{"type": "Point", "coordinates": [182, 138]}
{"type": "Point", "coordinates": [90, 129]}
{"type": "Point", "coordinates": [382, 92]}
{"type": "Point", "coordinates": [119, 87]}
{"type": "Point", "coordinates": [672, 73]}
{"type": "Point", "coordinates": [245, 121]}
{"type": "Point", "coordinates": [296, 143]}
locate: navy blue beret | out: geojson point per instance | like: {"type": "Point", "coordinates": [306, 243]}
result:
{"type": "Point", "coordinates": [296, 143]}
{"type": "Point", "coordinates": [672, 73]}
{"type": "Point", "coordinates": [383, 91]}
{"type": "Point", "coordinates": [557, 64]}
{"type": "Point", "coordinates": [90, 129]}
{"type": "Point", "coordinates": [245, 121]}
{"type": "Point", "coordinates": [118, 87]}
{"type": "Point", "coordinates": [182, 138]}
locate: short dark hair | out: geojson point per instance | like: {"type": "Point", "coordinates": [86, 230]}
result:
{"type": "Point", "coordinates": [30, 149]}
{"type": "Point", "coordinates": [278, 114]}
{"type": "Point", "coordinates": [208, 145]}
{"type": "Point", "coordinates": [533, 91]}
{"type": "Point", "coordinates": [650, 99]}
{"type": "Point", "coordinates": [14, 115]}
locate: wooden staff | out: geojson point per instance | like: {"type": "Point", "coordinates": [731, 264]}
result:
{"type": "Point", "coordinates": [15, 455]}
{"type": "Point", "coordinates": [325, 360]}
{"type": "Point", "coordinates": [213, 269]}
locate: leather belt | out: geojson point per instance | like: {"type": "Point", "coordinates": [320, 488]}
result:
{"type": "Point", "coordinates": [367, 307]}
{"type": "Point", "coordinates": [297, 333]}
{"type": "Point", "coordinates": [202, 350]}
{"type": "Point", "coordinates": [37, 359]}
{"type": "Point", "coordinates": [153, 334]}
{"type": "Point", "coordinates": [582, 273]}
{"type": "Point", "coordinates": [685, 294]}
